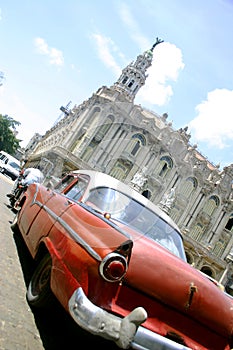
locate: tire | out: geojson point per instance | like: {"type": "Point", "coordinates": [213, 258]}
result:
{"type": "Point", "coordinates": [12, 201]}
{"type": "Point", "coordinates": [14, 224]}
{"type": "Point", "coordinates": [39, 293]}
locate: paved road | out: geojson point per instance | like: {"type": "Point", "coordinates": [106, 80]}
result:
{"type": "Point", "coordinates": [22, 328]}
{"type": "Point", "coordinates": [17, 326]}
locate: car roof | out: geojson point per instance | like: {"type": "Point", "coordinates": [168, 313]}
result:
{"type": "Point", "coordinates": [103, 180]}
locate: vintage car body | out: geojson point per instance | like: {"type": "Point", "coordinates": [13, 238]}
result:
{"type": "Point", "coordinates": [98, 249]}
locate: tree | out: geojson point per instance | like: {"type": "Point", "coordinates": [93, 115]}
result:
{"type": "Point", "coordinates": [1, 78]}
{"type": "Point", "coordinates": [8, 140]}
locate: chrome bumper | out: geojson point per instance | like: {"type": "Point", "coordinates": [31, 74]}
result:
{"type": "Point", "coordinates": [125, 332]}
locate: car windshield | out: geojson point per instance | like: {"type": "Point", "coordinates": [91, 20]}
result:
{"type": "Point", "coordinates": [14, 165]}
{"type": "Point", "coordinates": [135, 215]}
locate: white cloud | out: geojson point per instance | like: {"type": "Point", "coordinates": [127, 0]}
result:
{"type": "Point", "coordinates": [167, 63]}
{"type": "Point", "coordinates": [133, 27]}
{"type": "Point", "coordinates": [214, 121]}
{"type": "Point", "coordinates": [105, 47]}
{"type": "Point", "coordinates": [55, 56]}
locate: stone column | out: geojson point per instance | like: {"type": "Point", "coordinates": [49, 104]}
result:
{"type": "Point", "coordinates": [196, 206]}
{"type": "Point", "coordinates": [106, 146]}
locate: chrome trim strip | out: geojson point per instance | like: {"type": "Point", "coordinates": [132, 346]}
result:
{"type": "Point", "coordinates": [72, 233]}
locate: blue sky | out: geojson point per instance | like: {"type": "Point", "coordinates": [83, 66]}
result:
{"type": "Point", "coordinates": [53, 52]}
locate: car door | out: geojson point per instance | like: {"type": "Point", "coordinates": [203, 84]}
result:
{"type": "Point", "coordinates": [51, 204]}
{"type": "Point", "coordinates": [36, 197]}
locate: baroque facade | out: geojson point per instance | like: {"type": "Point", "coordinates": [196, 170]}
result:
{"type": "Point", "coordinates": [111, 134]}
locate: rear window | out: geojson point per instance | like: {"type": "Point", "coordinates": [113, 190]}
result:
{"type": "Point", "coordinates": [134, 214]}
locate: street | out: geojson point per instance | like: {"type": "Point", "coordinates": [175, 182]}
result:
{"type": "Point", "coordinates": [21, 327]}
{"type": "Point", "coordinates": [17, 325]}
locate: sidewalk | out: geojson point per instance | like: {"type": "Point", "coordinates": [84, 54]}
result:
{"type": "Point", "coordinates": [17, 325]}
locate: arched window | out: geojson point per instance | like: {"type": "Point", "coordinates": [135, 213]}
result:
{"type": "Point", "coordinates": [187, 188]}
{"type": "Point", "coordinates": [222, 243]}
{"type": "Point", "coordinates": [121, 169]}
{"type": "Point", "coordinates": [211, 205]}
{"type": "Point", "coordinates": [136, 148]}
{"type": "Point", "coordinates": [136, 142]}
{"type": "Point", "coordinates": [207, 270]}
{"type": "Point", "coordinates": [131, 84]}
{"type": "Point", "coordinates": [165, 165]}
{"type": "Point", "coordinates": [86, 155]}
{"type": "Point", "coordinates": [118, 173]}
{"type": "Point", "coordinates": [197, 231]}
{"type": "Point", "coordinates": [80, 144]}
{"type": "Point", "coordinates": [124, 80]}
{"type": "Point", "coordinates": [103, 129]}
{"type": "Point", "coordinates": [219, 247]}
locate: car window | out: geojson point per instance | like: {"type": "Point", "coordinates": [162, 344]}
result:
{"type": "Point", "coordinates": [108, 200]}
{"type": "Point", "coordinates": [77, 190]}
{"type": "Point", "coordinates": [165, 235]}
{"type": "Point", "coordinates": [65, 182]}
{"type": "Point", "coordinates": [3, 158]}
{"type": "Point", "coordinates": [14, 165]}
{"type": "Point", "coordinates": [134, 214]}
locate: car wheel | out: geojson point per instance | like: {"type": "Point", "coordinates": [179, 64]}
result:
{"type": "Point", "coordinates": [39, 293]}
{"type": "Point", "coordinates": [14, 224]}
{"type": "Point", "coordinates": [12, 201]}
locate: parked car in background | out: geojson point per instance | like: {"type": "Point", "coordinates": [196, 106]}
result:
{"type": "Point", "coordinates": [116, 263]}
{"type": "Point", "coordinates": [25, 178]}
{"type": "Point", "coordinates": [9, 165]}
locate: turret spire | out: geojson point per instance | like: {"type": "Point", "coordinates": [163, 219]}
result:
{"type": "Point", "coordinates": [133, 77]}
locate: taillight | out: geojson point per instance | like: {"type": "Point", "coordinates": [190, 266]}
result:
{"type": "Point", "coordinates": [113, 267]}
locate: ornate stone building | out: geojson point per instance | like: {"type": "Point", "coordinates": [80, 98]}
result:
{"type": "Point", "coordinates": [109, 133]}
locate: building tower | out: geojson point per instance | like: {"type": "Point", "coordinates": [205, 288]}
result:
{"type": "Point", "coordinates": [133, 76]}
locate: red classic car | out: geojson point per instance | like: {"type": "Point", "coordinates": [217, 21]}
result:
{"type": "Point", "coordinates": [116, 263]}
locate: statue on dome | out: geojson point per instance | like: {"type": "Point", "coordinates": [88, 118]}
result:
{"type": "Point", "coordinates": [158, 41]}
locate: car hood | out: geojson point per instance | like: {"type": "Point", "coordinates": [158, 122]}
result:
{"type": "Point", "coordinates": [173, 282]}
